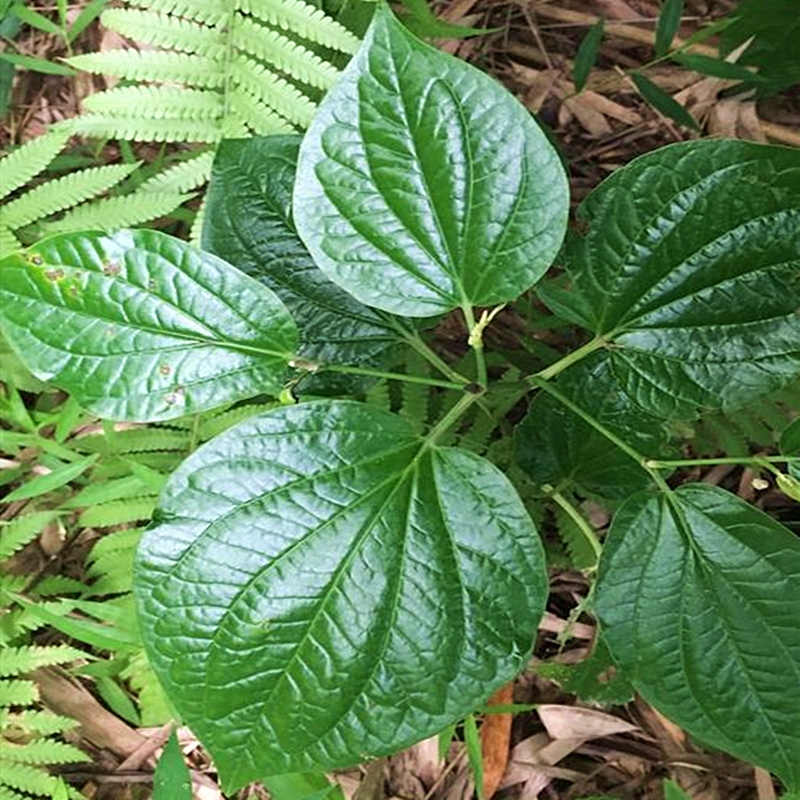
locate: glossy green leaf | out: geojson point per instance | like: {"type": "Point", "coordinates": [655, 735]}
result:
{"type": "Point", "coordinates": [587, 54]}
{"type": "Point", "coordinates": [688, 272]}
{"type": "Point", "coordinates": [669, 20]}
{"type": "Point", "coordinates": [662, 102]}
{"type": "Point", "coordinates": [423, 185]}
{"type": "Point", "coordinates": [698, 595]}
{"type": "Point", "coordinates": [248, 222]}
{"type": "Point", "coordinates": [138, 325]}
{"type": "Point", "coordinates": [556, 447]}
{"type": "Point", "coordinates": [172, 780]}
{"type": "Point", "coordinates": [322, 586]}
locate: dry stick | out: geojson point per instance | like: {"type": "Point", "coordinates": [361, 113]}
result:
{"type": "Point", "coordinates": [771, 130]}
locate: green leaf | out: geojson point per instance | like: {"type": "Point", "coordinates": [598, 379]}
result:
{"type": "Point", "coordinates": [662, 102]}
{"type": "Point", "coordinates": [42, 484]}
{"type": "Point", "coordinates": [790, 446]}
{"type": "Point", "coordinates": [669, 20]}
{"type": "Point", "coordinates": [773, 27]}
{"type": "Point", "coordinates": [322, 586]}
{"type": "Point", "coordinates": [138, 325]}
{"type": "Point", "coordinates": [171, 780]}
{"type": "Point", "coordinates": [688, 273]}
{"type": "Point", "coordinates": [248, 222]}
{"type": "Point", "coordinates": [472, 743]}
{"type": "Point", "coordinates": [716, 67]}
{"type": "Point", "coordinates": [698, 595]}
{"type": "Point", "coordinates": [37, 64]}
{"type": "Point", "coordinates": [303, 786]}
{"type": "Point", "coordinates": [674, 792]}
{"type": "Point", "coordinates": [424, 186]}
{"type": "Point", "coordinates": [587, 54]}
{"type": "Point", "coordinates": [556, 447]}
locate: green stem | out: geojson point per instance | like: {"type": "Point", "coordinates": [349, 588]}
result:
{"type": "Point", "coordinates": [390, 376]}
{"type": "Point", "coordinates": [415, 341]}
{"type": "Point", "coordinates": [452, 416]}
{"type": "Point", "coordinates": [578, 518]}
{"type": "Point", "coordinates": [612, 437]}
{"type": "Point", "coordinates": [476, 343]}
{"type": "Point", "coordinates": [548, 373]}
{"type": "Point", "coordinates": [754, 461]}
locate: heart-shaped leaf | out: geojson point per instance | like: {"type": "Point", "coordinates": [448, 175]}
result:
{"type": "Point", "coordinates": [689, 273]}
{"type": "Point", "coordinates": [248, 222]}
{"type": "Point", "coordinates": [423, 185]}
{"type": "Point", "coordinates": [139, 325]}
{"type": "Point", "coordinates": [557, 447]}
{"type": "Point", "coordinates": [321, 586]}
{"type": "Point", "coordinates": [698, 594]}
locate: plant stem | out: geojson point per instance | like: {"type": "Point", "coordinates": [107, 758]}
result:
{"type": "Point", "coordinates": [452, 416]}
{"type": "Point", "coordinates": [642, 461]}
{"type": "Point", "coordinates": [708, 462]}
{"type": "Point", "coordinates": [415, 341]}
{"type": "Point", "coordinates": [581, 522]}
{"type": "Point", "coordinates": [548, 373]}
{"type": "Point", "coordinates": [345, 369]}
{"type": "Point", "coordinates": [476, 343]}
{"type": "Point", "coordinates": [542, 384]}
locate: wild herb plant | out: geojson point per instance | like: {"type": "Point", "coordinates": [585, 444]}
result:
{"type": "Point", "coordinates": [326, 581]}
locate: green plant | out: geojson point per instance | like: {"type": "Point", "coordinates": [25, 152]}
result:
{"type": "Point", "coordinates": [326, 581]}
{"type": "Point", "coordinates": [208, 71]}
{"type": "Point", "coordinates": [30, 213]}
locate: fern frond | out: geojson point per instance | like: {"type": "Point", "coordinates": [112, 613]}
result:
{"type": "Point", "coordinates": [153, 65]}
{"type": "Point", "coordinates": [287, 56]}
{"type": "Point", "coordinates": [118, 512]}
{"type": "Point", "coordinates": [153, 704]}
{"type": "Point", "coordinates": [113, 545]}
{"type": "Point", "coordinates": [26, 162]}
{"type": "Point", "coordinates": [136, 129]}
{"type": "Point", "coordinates": [28, 779]}
{"type": "Point", "coordinates": [10, 794]}
{"type": "Point", "coordinates": [271, 89]}
{"type": "Point", "coordinates": [304, 20]}
{"type": "Point", "coordinates": [117, 212]}
{"type": "Point", "coordinates": [106, 490]}
{"type": "Point", "coordinates": [22, 530]}
{"type": "Point", "coordinates": [62, 193]}
{"type": "Point", "coordinates": [225, 67]}
{"type": "Point", "coordinates": [23, 620]}
{"type": "Point", "coordinates": [34, 721]}
{"type": "Point", "coordinates": [59, 585]}
{"type": "Point", "coordinates": [19, 660]}
{"type": "Point", "coordinates": [111, 561]}
{"type": "Point", "coordinates": [196, 233]}
{"type": "Point", "coordinates": [261, 119]}
{"type": "Point", "coordinates": [210, 12]}
{"type": "Point", "coordinates": [158, 102]}
{"type": "Point", "coordinates": [378, 395]}
{"type": "Point", "coordinates": [577, 545]}
{"type": "Point", "coordinates": [8, 242]}
{"type": "Point", "coordinates": [42, 751]}
{"type": "Point", "coordinates": [135, 440]}
{"type": "Point", "coordinates": [210, 428]}
{"type": "Point", "coordinates": [18, 692]}
{"type": "Point", "coordinates": [183, 177]}
{"type": "Point", "coordinates": [414, 398]}
{"type": "Point", "coordinates": [159, 29]}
